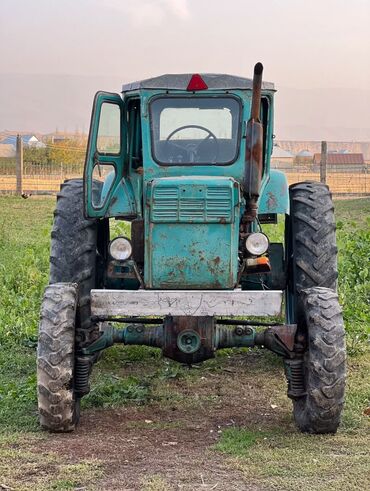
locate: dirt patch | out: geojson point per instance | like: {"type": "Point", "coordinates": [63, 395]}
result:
{"type": "Point", "coordinates": [174, 440]}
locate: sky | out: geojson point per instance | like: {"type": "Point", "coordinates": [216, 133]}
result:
{"type": "Point", "coordinates": [305, 45]}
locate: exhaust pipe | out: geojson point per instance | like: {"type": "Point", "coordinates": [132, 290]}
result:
{"type": "Point", "coordinates": [254, 150]}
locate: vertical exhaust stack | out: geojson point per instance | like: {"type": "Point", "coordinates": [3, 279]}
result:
{"type": "Point", "coordinates": [253, 153]}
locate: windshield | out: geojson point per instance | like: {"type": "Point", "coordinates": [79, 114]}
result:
{"type": "Point", "coordinates": [195, 130]}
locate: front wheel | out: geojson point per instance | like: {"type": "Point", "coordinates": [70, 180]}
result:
{"type": "Point", "coordinates": [319, 410]}
{"type": "Point", "coordinates": [57, 401]}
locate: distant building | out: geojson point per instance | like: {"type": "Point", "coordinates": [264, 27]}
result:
{"type": "Point", "coordinates": [28, 141]}
{"type": "Point", "coordinates": [58, 139]}
{"type": "Point", "coordinates": [303, 157]}
{"type": "Point", "coordinates": [281, 159]}
{"type": "Point", "coordinates": [342, 162]}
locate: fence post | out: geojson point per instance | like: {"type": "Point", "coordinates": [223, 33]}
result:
{"type": "Point", "coordinates": [323, 161]}
{"type": "Point", "coordinates": [19, 165]}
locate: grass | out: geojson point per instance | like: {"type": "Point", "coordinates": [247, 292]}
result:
{"type": "Point", "coordinates": [21, 468]}
{"type": "Point", "coordinates": [154, 483]}
{"type": "Point", "coordinates": [306, 462]}
{"type": "Point", "coordinates": [137, 376]}
{"type": "Point", "coordinates": [278, 460]}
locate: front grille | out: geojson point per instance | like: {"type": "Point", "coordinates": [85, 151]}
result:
{"type": "Point", "coordinates": [178, 203]}
{"type": "Point", "coordinates": [165, 204]}
{"type": "Point", "coordinates": [191, 209]}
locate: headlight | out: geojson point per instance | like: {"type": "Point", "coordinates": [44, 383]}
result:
{"type": "Point", "coordinates": [120, 248]}
{"type": "Point", "coordinates": [257, 243]}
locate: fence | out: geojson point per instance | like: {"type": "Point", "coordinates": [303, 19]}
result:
{"type": "Point", "coordinates": [37, 178]}
{"type": "Point", "coordinates": [46, 178]}
{"type": "Point", "coordinates": [340, 181]}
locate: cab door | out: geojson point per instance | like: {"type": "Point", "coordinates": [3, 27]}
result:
{"type": "Point", "coordinates": [106, 153]}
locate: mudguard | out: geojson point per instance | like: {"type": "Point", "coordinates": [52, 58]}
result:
{"type": "Point", "coordinates": [275, 195]}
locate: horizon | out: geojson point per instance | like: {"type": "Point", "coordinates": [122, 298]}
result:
{"type": "Point", "coordinates": [63, 52]}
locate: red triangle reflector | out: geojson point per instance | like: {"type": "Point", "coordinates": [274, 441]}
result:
{"type": "Point", "coordinates": [197, 83]}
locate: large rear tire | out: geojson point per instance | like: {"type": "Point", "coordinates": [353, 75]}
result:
{"type": "Point", "coordinates": [74, 252]}
{"type": "Point", "coordinates": [311, 251]}
{"type": "Point", "coordinates": [319, 410]}
{"type": "Point", "coordinates": [57, 401]}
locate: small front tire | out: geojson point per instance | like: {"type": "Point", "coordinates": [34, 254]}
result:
{"type": "Point", "coordinates": [319, 410]}
{"type": "Point", "coordinates": [57, 402]}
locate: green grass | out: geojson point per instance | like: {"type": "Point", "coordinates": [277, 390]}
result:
{"type": "Point", "coordinates": [353, 239]}
{"type": "Point", "coordinates": [239, 441]}
{"type": "Point", "coordinates": [154, 483]}
{"type": "Point", "coordinates": [23, 469]}
{"type": "Point", "coordinates": [302, 462]}
{"type": "Point", "coordinates": [279, 458]}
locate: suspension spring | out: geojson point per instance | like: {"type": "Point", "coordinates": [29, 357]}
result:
{"type": "Point", "coordinates": [294, 371]}
{"type": "Point", "coordinates": [82, 372]}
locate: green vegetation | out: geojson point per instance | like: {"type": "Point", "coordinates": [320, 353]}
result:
{"type": "Point", "coordinates": [21, 468]}
{"type": "Point", "coordinates": [238, 441]}
{"type": "Point", "coordinates": [353, 232]}
{"type": "Point", "coordinates": [353, 238]}
{"type": "Point", "coordinates": [274, 458]}
{"type": "Point", "coordinates": [305, 462]}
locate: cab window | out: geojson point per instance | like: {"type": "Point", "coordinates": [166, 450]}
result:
{"type": "Point", "coordinates": [195, 130]}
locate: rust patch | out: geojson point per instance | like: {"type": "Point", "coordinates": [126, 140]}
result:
{"type": "Point", "coordinates": [173, 326]}
{"type": "Point", "coordinates": [286, 334]}
{"type": "Point", "coordinates": [271, 201]}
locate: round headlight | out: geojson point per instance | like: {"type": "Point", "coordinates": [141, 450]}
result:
{"type": "Point", "coordinates": [120, 248]}
{"type": "Point", "coordinates": [257, 243]}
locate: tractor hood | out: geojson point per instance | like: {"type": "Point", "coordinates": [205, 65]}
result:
{"type": "Point", "coordinates": [192, 230]}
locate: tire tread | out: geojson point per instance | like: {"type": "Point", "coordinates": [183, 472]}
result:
{"type": "Point", "coordinates": [55, 358]}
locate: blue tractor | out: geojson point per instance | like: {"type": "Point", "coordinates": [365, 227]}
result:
{"type": "Point", "coordinates": [185, 159]}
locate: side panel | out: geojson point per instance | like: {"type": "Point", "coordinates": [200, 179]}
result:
{"type": "Point", "coordinates": [275, 196]}
{"type": "Point", "coordinates": [192, 228]}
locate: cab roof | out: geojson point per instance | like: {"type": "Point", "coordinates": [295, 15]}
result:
{"type": "Point", "coordinates": [180, 82]}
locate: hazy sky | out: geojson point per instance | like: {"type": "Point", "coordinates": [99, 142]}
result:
{"type": "Point", "coordinates": [302, 43]}
{"type": "Point", "coordinates": [310, 43]}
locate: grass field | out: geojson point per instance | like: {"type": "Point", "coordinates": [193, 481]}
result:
{"type": "Point", "coordinates": [151, 424]}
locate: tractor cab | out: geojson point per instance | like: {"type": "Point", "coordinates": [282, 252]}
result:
{"type": "Point", "coordinates": [169, 126]}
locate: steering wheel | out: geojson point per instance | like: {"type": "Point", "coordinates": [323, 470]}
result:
{"type": "Point", "coordinates": [193, 147]}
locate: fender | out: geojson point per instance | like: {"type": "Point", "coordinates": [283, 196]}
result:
{"type": "Point", "coordinates": [275, 195]}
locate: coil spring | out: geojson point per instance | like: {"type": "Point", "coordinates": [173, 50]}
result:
{"type": "Point", "coordinates": [82, 372]}
{"type": "Point", "coordinates": [295, 375]}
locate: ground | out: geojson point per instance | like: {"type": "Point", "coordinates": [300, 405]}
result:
{"type": "Point", "coordinates": [150, 424]}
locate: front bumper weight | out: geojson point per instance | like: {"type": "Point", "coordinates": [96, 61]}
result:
{"type": "Point", "coordinates": [189, 303]}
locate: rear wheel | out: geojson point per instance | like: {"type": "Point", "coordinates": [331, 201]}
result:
{"type": "Point", "coordinates": [311, 251]}
{"type": "Point", "coordinates": [57, 401]}
{"type": "Point", "coordinates": [319, 410]}
{"type": "Point", "coordinates": [78, 245]}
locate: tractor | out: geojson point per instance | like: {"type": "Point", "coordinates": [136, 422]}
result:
{"type": "Point", "coordinates": [184, 159]}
